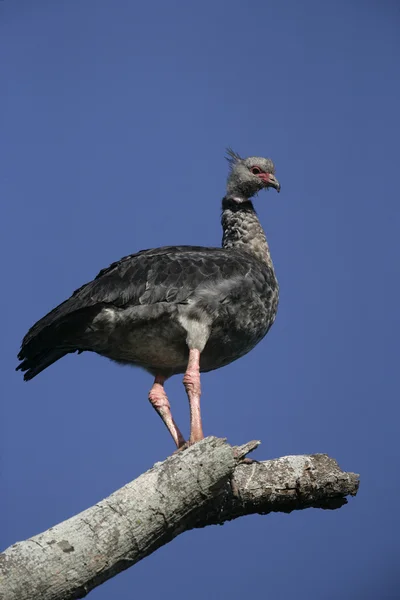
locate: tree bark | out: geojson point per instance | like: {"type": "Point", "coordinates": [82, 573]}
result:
{"type": "Point", "coordinates": [209, 483]}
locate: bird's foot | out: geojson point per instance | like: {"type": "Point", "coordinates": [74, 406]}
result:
{"type": "Point", "coordinates": [187, 444]}
{"type": "Point", "coordinates": [183, 446]}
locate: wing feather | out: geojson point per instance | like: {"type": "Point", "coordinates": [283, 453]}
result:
{"type": "Point", "coordinates": [168, 274]}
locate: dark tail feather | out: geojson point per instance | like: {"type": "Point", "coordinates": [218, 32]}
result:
{"type": "Point", "coordinates": [44, 343]}
{"type": "Point", "coordinates": [36, 364]}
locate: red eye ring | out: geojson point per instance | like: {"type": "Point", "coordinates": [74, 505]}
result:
{"type": "Point", "coordinates": [256, 170]}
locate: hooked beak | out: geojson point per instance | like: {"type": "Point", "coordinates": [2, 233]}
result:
{"type": "Point", "coordinates": [270, 181]}
{"type": "Point", "coordinates": [273, 182]}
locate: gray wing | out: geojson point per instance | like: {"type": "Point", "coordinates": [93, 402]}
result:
{"type": "Point", "coordinates": [169, 274]}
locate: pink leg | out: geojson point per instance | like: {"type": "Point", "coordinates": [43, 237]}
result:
{"type": "Point", "coordinates": [159, 401]}
{"type": "Point", "coordinates": [191, 382]}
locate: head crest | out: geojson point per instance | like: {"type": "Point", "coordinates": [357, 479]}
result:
{"type": "Point", "coordinates": [232, 157]}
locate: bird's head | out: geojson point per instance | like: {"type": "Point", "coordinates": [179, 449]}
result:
{"type": "Point", "coordinates": [250, 175]}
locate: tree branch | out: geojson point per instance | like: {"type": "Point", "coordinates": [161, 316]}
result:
{"type": "Point", "coordinates": [207, 484]}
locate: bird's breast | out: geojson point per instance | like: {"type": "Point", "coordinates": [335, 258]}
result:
{"type": "Point", "coordinates": [236, 332]}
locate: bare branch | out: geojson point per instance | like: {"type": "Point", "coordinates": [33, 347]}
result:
{"type": "Point", "coordinates": [207, 484]}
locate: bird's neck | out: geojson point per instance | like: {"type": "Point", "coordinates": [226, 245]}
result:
{"type": "Point", "coordinates": [242, 229]}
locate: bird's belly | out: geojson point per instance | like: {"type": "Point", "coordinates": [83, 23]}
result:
{"type": "Point", "coordinates": [156, 351]}
{"type": "Point", "coordinates": [159, 345]}
{"type": "Point", "coordinates": [163, 350]}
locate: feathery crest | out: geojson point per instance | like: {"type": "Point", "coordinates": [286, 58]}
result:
{"type": "Point", "coordinates": [232, 157]}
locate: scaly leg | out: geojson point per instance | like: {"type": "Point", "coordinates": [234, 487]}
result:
{"type": "Point", "coordinates": [159, 401]}
{"type": "Point", "coordinates": [191, 382]}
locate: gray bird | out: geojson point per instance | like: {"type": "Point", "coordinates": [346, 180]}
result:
{"type": "Point", "coordinates": [176, 309]}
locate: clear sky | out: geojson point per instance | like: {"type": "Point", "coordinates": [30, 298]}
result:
{"type": "Point", "coordinates": [114, 119]}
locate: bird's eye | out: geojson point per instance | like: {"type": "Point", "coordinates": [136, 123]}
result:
{"type": "Point", "coordinates": [255, 170]}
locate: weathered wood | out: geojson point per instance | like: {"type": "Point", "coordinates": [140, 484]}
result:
{"type": "Point", "coordinates": [206, 484]}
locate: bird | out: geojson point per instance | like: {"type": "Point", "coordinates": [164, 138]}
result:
{"type": "Point", "coordinates": [174, 309]}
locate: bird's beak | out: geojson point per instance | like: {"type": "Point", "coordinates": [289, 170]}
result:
{"type": "Point", "coordinates": [273, 182]}
{"type": "Point", "coordinates": [270, 180]}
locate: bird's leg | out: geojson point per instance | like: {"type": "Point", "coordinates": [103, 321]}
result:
{"type": "Point", "coordinates": [159, 401]}
{"type": "Point", "coordinates": [191, 382]}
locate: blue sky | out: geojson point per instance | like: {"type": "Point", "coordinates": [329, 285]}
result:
{"type": "Point", "coordinates": [114, 119]}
